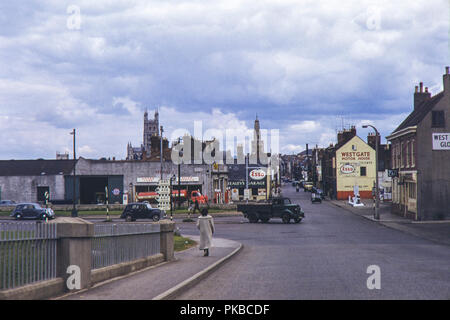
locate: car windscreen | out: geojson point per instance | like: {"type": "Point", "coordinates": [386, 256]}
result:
{"type": "Point", "coordinates": [287, 201]}
{"type": "Point", "coordinates": [149, 207]}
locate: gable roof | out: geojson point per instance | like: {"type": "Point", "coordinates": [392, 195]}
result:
{"type": "Point", "coordinates": [35, 167]}
{"type": "Point", "coordinates": [420, 112]}
{"type": "Point", "coordinates": [350, 140]}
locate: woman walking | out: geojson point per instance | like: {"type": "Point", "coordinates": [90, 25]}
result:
{"type": "Point", "coordinates": [205, 224]}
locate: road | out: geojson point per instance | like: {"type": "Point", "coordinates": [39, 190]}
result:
{"type": "Point", "coordinates": [326, 256]}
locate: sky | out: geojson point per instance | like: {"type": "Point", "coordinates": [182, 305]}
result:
{"type": "Point", "coordinates": [305, 68]}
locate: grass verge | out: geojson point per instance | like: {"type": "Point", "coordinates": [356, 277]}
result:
{"type": "Point", "coordinates": [182, 243]}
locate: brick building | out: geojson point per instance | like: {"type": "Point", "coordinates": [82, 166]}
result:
{"type": "Point", "coordinates": [421, 157]}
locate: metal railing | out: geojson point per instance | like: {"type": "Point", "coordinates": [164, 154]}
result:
{"type": "Point", "coordinates": [117, 243]}
{"type": "Point", "coordinates": [27, 253]}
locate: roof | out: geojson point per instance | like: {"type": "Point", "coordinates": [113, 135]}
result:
{"type": "Point", "coordinates": [419, 113]}
{"type": "Point", "coordinates": [35, 167]}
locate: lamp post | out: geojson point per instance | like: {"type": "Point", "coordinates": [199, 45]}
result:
{"type": "Point", "coordinates": [377, 190]}
{"type": "Point", "coordinates": [180, 154]}
{"type": "Point", "coordinates": [161, 152]}
{"type": "Point", "coordinates": [74, 209]}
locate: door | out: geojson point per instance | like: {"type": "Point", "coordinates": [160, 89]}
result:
{"type": "Point", "coordinates": [277, 206]}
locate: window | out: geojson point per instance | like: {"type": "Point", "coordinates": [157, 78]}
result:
{"type": "Point", "coordinates": [363, 171]}
{"type": "Point", "coordinates": [437, 119]}
{"type": "Point", "coordinates": [413, 160]}
{"type": "Point", "coordinates": [411, 190]}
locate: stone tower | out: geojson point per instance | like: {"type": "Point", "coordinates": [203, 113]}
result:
{"type": "Point", "coordinates": [151, 128]}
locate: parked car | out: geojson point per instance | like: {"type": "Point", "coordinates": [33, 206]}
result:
{"type": "Point", "coordinates": [7, 203]}
{"type": "Point", "coordinates": [307, 186]}
{"type": "Point", "coordinates": [319, 192]}
{"type": "Point", "coordinates": [32, 211]}
{"type": "Point", "coordinates": [315, 197]}
{"type": "Point", "coordinates": [142, 210]}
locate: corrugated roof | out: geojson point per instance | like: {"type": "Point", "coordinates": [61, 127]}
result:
{"type": "Point", "coordinates": [420, 112]}
{"type": "Point", "coordinates": [35, 167]}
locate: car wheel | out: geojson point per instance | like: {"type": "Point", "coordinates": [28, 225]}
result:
{"type": "Point", "coordinates": [18, 216]}
{"type": "Point", "coordinates": [155, 217]}
{"type": "Point", "coordinates": [265, 219]}
{"type": "Point", "coordinates": [286, 218]}
{"type": "Point", "coordinates": [252, 218]}
{"type": "Point", "coordinates": [128, 218]}
{"type": "Point", "coordinates": [297, 219]}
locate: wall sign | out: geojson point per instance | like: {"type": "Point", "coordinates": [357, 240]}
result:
{"type": "Point", "coordinates": [441, 141]}
{"type": "Point", "coordinates": [347, 168]}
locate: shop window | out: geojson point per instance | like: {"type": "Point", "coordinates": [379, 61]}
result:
{"type": "Point", "coordinates": [363, 171]}
{"type": "Point", "coordinates": [437, 119]}
{"type": "Point", "coordinates": [412, 190]}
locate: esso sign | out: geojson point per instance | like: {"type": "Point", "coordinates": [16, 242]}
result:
{"type": "Point", "coordinates": [257, 174]}
{"type": "Point", "coordinates": [347, 168]}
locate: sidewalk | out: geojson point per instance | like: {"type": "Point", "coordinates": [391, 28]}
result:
{"type": "Point", "coordinates": [436, 231]}
{"type": "Point", "coordinates": [164, 281]}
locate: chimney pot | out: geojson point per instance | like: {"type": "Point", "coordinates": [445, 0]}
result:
{"type": "Point", "coordinates": [446, 70]}
{"type": "Point", "coordinates": [417, 89]}
{"type": "Point", "coordinates": [421, 87]}
{"type": "Point", "coordinates": [426, 89]}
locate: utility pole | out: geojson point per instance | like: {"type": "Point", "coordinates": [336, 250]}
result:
{"type": "Point", "coordinates": [161, 152]}
{"type": "Point", "coordinates": [74, 209]}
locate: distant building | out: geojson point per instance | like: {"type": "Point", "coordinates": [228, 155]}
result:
{"type": "Point", "coordinates": [62, 156]}
{"type": "Point", "coordinates": [421, 157]}
{"type": "Point", "coordinates": [151, 141]}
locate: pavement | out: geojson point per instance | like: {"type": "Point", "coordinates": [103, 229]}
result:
{"type": "Point", "coordinates": [163, 281]}
{"type": "Point", "coordinates": [436, 231]}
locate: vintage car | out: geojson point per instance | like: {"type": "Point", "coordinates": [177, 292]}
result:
{"type": "Point", "coordinates": [141, 210]}
{"type": "Point", "coordinates": [32, 211]}
{"type": "Point", "coordinates": [278, 207]}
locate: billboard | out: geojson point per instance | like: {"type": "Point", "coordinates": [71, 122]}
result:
{"type": "Point", "coordinates": [257, 176]}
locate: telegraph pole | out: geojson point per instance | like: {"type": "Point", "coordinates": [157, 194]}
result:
{"type": "Point", "coordinates": [161, 152]}
{"type": "Point", "coordinates": [74, 209]}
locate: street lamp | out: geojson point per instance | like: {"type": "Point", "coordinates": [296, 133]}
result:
{"type": "Point", "coordinates": [74, 209]}
{"type": "Point", "coordinates": [377, 190]}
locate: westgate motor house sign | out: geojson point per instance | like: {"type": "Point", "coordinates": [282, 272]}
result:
{"type": "Point", "coordinates": [441, 141]}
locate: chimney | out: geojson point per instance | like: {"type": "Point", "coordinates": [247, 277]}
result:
{"type": "Point", "coordinates": [420, 96]}
{"type": "Point", "coordinates": [446, 80]}
{"type": "Point", "coordinates": [340, 137]}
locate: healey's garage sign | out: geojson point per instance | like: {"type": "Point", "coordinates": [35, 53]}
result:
{"type": "Point", "coordinates": [441, 141]}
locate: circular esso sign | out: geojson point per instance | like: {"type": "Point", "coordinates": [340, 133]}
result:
{"type": "Point", "coordinates": [347, 168]}
{"type": "Point", "coordinates": [257, 174]}
{"type": "Point", "coordinates": [116, 192]}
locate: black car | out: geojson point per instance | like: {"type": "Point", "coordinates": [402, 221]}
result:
{"type": "Point", "coordinates": [318, 192]}
{"type": "Point", "coordinates": [141, 210]}
{"type": "Point", "coordinates": [7, 203]}
{"type": "Point", "coordinates": [32, 211]}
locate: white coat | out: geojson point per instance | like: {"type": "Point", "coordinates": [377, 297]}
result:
{"type": "Point", "coordinates": [206, 226]}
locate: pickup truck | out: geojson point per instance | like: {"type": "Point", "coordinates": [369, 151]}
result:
{"type": "Point", "coordinates": [273, 208]}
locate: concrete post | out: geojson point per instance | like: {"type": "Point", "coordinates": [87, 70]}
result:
{"type": "Point", "coordinates": [167, 242]}
{"type": "Point", "coordinates": [74, 248]}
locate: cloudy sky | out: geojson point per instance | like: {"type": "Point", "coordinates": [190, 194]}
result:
{"type": "Point", "coordinates": [307, 68]}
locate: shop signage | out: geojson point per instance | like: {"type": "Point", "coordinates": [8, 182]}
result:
{"type": "Point", "coordinates": [257, 174]}
{"type": "Point", "coordinates": [347, 168]}
{"type": "Point", "coordinates": [156, 179]}
{"type": "Point", "coordinates": [441, 141]}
